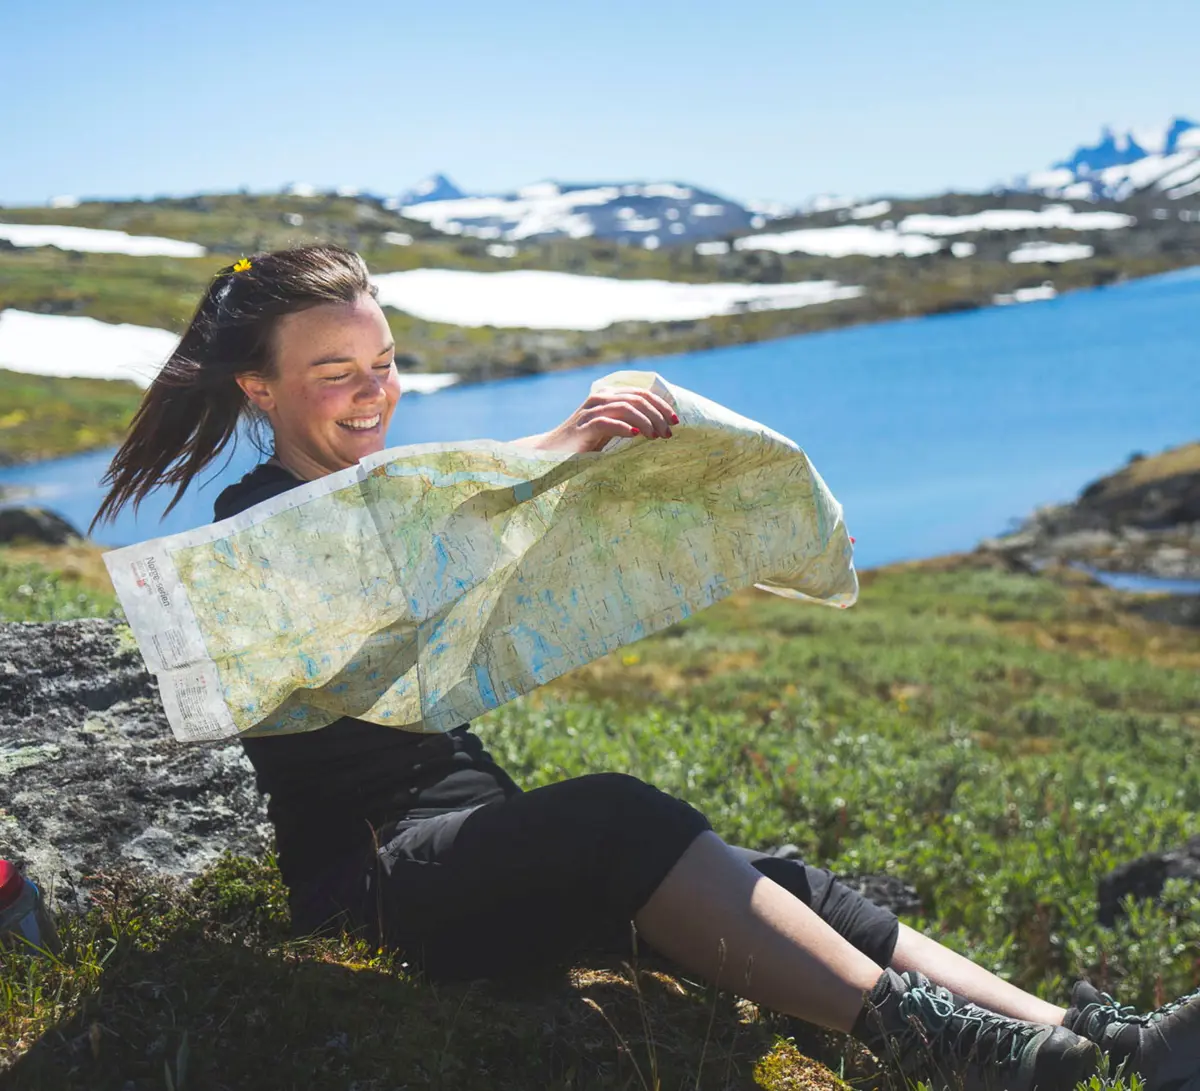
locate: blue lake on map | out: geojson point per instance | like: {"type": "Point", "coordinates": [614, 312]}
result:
{"type": "Point", "coordinates": [933, 433]}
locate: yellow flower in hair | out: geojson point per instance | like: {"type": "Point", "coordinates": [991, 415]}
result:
{"type": "Point", "coordinates": [241, 265]}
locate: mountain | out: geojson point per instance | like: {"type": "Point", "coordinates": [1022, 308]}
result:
{"type": "Point", "coordinates": [1119, 165]}
{"type": "Point", "coordinates": [648, 214]}
{"type": "Point", "coordinates": [437, 187]}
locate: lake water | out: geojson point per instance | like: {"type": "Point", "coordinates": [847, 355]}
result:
{"type": "Point", "coordinates": [933, 433]}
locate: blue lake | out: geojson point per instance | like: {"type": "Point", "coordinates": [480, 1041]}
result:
{"type": "Point", "coordinates": [933, 433]}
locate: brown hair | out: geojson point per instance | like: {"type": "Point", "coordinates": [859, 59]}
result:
{"type": "Point", "coordinates": [191, 410]}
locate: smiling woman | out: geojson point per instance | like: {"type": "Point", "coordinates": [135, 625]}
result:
{"type": "Point", "coordinates": [333, 388]}
{"type": "Point", "coordinates": [420, 841]}
{"type": "Point", "coordinates": [245, 353]}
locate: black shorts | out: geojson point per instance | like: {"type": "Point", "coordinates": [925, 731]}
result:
{"type": "Point", "coordinates": [542, 877]}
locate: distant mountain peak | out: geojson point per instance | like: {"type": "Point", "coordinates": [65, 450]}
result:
{"type": "Point", "coordinates": [436, 187]}
{"type": "Point", "coordinates": [1163, 158]}
{"type": "Point", "coordinates": [649, 214]}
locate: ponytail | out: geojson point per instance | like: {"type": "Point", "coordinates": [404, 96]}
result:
{"type": "Point", "coordinates": [191, 410]}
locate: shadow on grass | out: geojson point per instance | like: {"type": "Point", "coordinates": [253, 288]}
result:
{"type": "Point", "coordinates": [197, 1011]}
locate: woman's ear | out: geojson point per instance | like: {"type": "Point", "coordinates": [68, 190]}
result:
{"type": "Point", "coordinates": [257, 389]}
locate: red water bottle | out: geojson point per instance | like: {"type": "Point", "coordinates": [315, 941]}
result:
{"type": "Point", "coordinates": [23, 913]}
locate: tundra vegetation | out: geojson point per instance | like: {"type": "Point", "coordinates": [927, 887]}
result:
{"type": "Point", "coordinates": [998, 740]}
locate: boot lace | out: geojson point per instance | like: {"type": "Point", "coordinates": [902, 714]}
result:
{"type": "Point", "coordinates": [1097, 1016]}
{"type": "Point", "coordinates": [966, 1033]}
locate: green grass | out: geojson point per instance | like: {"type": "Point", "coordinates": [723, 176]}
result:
{"type": "Point", "coordinates": [42, 416]}
{"type": "Point", "coordinates": [997, 740]}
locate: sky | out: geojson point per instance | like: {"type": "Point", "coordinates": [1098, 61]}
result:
{"type": "Point", "coordinates": [772, 100]}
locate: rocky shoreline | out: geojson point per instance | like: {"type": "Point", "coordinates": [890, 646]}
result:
{"type": "Point", "coordinates": [1144, 520]}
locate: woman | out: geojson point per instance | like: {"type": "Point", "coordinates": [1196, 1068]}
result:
{"type": "Point", "coordinates": [423, 843]}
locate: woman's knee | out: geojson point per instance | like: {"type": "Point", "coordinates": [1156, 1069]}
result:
{"type": "Point", "coordinates": [629, 816]}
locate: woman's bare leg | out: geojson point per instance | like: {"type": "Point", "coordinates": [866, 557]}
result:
{"type": "Point", "coordinates": [960, 975]}
{"type": "Point", "coordinates": [799, 965]}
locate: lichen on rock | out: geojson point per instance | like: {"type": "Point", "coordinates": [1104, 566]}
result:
{"type": "Point", "coordinates": [91, 777]}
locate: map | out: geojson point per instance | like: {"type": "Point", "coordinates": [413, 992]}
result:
{"type": "Point", "coordinates": [430, 584]}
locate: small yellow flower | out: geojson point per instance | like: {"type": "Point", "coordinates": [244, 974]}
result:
{"type": "Point", "coordinates": [241, 265]}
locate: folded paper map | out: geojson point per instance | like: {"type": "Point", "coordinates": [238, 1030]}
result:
{"type": "Point", "coordinates": [429, 584]}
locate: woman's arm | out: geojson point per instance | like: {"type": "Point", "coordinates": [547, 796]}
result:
{"type": "Point", "coordinates": [619, 412]}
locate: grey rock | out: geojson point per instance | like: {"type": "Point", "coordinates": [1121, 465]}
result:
{"type": "Point", "coordinates": [885, 890]}
{"type": "Point", "coordinates": [90, 775]}
{"type": "Point", "coordinates": [1145, 877]}
{"type": "Point", "coordinates": [37, 525]}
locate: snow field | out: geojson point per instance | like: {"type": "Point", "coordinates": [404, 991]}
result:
{"type": "Point", "coordinates": [75, 347]}
{"type": "Point", "coordinates": [529, 299]}
{"type": "Point", "coordinates": [93, 240]}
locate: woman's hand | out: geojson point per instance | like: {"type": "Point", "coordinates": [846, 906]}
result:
{"type": "Point", "coordinates": [618, 412]}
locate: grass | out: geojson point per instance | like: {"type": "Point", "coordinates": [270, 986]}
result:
{"type": "Point", "coordinates": [45, 417]}
{"type": "Point", "coordinates": [1141, 471]}
{"type": "Point", "coordinates": [999, 741]}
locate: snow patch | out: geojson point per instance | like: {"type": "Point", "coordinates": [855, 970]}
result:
{"type": "Point", "coordinates": [1045, 290]}
{"type": "Point", "coordinates": [426, 383]}
{"type": "Point", "coordinates": [871, 211]}
{"type": "Point", "coordinates": [398, 238]}
{"type": "Point", "coordinates": [73, 347]}
{"type": "Point", "coordinates": [839, 242]}
{"type": "Point", "coordinates": [830, 202]}
{"type": "Point", "coordinates": [55, 344]}
{"type": "Point", "coordinates": [529, 299]}
{"type": "Point", "coordinates": [1051, 251]}
{"type": "Point", "coordinates": [96, 241]}
{"type": "Point", "coordinates": [1061, 217]}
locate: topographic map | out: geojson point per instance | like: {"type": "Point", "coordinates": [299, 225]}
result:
{"type": "Point", "coordinates": [429, 584]}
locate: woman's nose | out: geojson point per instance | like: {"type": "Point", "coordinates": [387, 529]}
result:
{"type": "Point", "coordinates": [370, 388]}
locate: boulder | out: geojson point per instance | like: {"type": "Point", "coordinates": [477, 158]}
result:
{"type": "Point", "coordinates": [885, 890]}
{"type": "Point", "coordinates": [37, 525]}
{"type": "Point", "coordinates": [91, 776]}
{"type": "Point", "coordinates": [1144, 518]}
{"type": "Point", "coordinates": [1145, 877]}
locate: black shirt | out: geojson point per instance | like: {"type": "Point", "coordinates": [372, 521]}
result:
{"type": "Point", "coordinates": [328, 788]}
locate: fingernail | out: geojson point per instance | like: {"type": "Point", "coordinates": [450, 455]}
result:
{"type": "Point", "coordinates": [636, 432]}
{"type": "Point", "coordinates": [674, 418]}
{"type": "Point", "coordinates": [668, 433]}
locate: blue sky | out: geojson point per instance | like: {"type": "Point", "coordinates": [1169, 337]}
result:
{"type": "Point", "coordinates": [768, 100]}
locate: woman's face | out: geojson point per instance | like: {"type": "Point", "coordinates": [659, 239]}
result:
{"type": "Point", "coordinates": [335, 386]}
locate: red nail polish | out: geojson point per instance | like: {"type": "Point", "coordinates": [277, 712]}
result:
{"type": "Point", "coordinates": [636, 432]}
{"type": "Point", "coordinates": [674, 418]}
{"type": "Point", "coordinates": [852, 541]}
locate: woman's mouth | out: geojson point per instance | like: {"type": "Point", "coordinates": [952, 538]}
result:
{"type": "Point", "coordinates": [361, 424]}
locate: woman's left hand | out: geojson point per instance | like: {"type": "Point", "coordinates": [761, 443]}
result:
{"type": "Point", "coordinates": [618, 412]}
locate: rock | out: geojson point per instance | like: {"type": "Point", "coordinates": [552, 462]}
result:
{"type": "Point", "coordinates": [1143, 519]}
{"type": "Point", "coordinates": [37, 525]}
{"type": "Point", "coordinates": [885, 890]}
{"type": "Point", "coordinates": [90, 774]}
{"type": "Point", "coordinates": [1145, 877]}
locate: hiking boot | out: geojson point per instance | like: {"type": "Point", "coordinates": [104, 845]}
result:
{"type": "Point", "coordinates": [929, 1032]}
{"type": "Point", "coordinates": [1162, 1046]}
